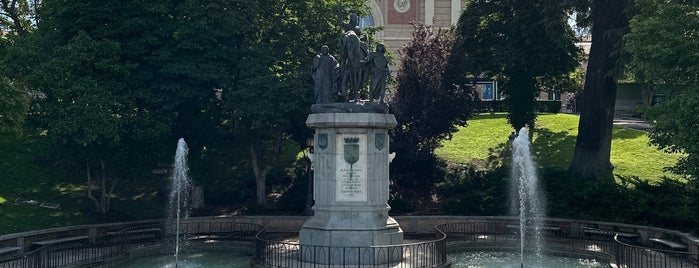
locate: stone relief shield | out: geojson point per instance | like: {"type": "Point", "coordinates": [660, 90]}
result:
{"type": "Point", "coordinates": [351, 150]}
{"type": "Point", "coordinates": [380, 141]}
{"type": "Point", "coordinates": [323, 141]}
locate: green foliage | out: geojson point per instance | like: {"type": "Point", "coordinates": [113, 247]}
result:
{"type": "Point", "coordinates": [24, 173]}
{"type": "Point", "coordinates": [662, 43]}
{"type": "Point", "coordinates": [126, 79]}
{"type": "Point", "coordinates": [466, 190]}
{"type": "Point", "coordinates": [19, 16]}
{"type": "Point", "coordinates": [527, 46]}
{"type": "Point", "coordinates": [663, 52]}
{"type": "Point", "coordinates": [542, 106]}
{"type": "Point", "coordinates": [430, 100]}
{"type": "Point", "coordinates": [678, 136]}
{"type": "Point", "coordinates": [14, 104]}
{"type": "Point", "coordinates": [666, 203]}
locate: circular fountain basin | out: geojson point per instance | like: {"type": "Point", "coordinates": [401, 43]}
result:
{"type": "Point", "coordinates": [505, 259]}
{"type": "Point", "coordinates": [191, 260]}
{"type": "Point", "coordinates": [463, 259]}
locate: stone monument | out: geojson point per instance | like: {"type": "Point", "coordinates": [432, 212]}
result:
{"type": "Point", "coordinates": [350, 189]}
{"type": "Point", "coordinates": [351, 158]}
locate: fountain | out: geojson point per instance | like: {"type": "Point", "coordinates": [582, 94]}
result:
{"type": "Point", "coordinates": [178, 208]}
{"type": "Point", "coordinates": [526, 198]}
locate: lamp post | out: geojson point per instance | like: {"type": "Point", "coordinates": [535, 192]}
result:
{"type": "Point", "coordinates": [309, 170]}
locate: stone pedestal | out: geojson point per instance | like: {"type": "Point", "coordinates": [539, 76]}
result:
{"type": "Point", "coordinates": [351, 158]}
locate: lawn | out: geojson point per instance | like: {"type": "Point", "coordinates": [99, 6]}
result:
{"type": "Point", "coordinates": [28, 180]}
{"type": "Point", "coordinates": [27, 183]}
{"type": "Point", "coordinates": [553, 144]}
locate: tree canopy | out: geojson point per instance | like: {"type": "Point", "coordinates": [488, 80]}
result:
{"type": "Point", "coordinates": [663, 44]}
{"type": "Point", "coordinates": [121, 79]}
{"type": "Point", "coordinates": [18, 16]}
{"type": "Point", "coordinates": [520, 44]}
{"type": "Point", "coordinates": [14, 103]}
{"type": "Point", "coordinates": [432, 98]}
{"type": "Point", "coordinates": [430, 101]}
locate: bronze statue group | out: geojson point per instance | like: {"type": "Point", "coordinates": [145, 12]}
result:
{"type": "Point", "coordinates": [357, 66]}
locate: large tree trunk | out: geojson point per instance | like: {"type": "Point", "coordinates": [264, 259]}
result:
{"type": "Point", "coordinates": [261, 172]}
{"type": "Point", "coordinates": [593, 144]}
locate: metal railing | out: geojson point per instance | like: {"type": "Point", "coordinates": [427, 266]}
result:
{"type": "Point", "coordinates": [553, 238]}
{"type": "Point", "coordinates": [629, 247]}
{"type": "Point", "coordinates": [628, 255]}
{"type": "Point", "coordinates": [81, 251]}
{"type": "Point", "coordinates": [597, 243]}
{"type": "Point", "coordinates": [432, 253]}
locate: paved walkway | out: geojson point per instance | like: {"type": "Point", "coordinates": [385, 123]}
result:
{"type": "Point", "coordinates": [634, 124]}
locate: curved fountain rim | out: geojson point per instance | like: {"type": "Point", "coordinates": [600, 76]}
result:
{"type": "Point", "coordinates": [459, 218]}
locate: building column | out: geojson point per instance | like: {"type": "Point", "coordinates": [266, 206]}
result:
{"type": "Point", "coordinates": [455, 11]}
{"type": "Point", "coordinates": [429, 12]}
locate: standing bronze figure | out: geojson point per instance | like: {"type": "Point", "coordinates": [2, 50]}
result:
{"type": "Point", "coordinates": [324, 76]}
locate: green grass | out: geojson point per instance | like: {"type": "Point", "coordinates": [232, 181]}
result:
{"type": "Point", "coordinates": [483, 132]}
{"type": "Point", "coordinates": [554, 142]}
{"type": "Point", "coordinates": [23, 176]}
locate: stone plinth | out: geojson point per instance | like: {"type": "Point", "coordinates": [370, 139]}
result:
{"type": "Point", "coordinates": [351, 158]}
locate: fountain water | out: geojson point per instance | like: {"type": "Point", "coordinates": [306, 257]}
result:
{"type": "Point", "coordinates": [527, 200]}
{"type": "Point", "coordinates": [179, 192]}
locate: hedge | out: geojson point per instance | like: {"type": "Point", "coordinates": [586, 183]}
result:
{"type": "Point", "coordinates": [545, 106]}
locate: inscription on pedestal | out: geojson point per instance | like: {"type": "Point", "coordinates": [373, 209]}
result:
{"type": "Point", "coordinates": [351, 172]}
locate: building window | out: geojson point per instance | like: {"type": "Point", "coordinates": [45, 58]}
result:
{"type": "Point", "coordinates": [553, 96]}
{"type": "Point", "coordinates": [365, 22]}
{"type": "Point", "coordinates": [486, 90]}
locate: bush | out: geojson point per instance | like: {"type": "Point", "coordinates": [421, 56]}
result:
{"type": "Point", "coordinates": [498, 106]}
{"type": "Point", "coordinates": [548, 106]}
{"type": "Point", "coordinates": [667, 203]}
{"type": "Point", "coordinates": [468, 191]}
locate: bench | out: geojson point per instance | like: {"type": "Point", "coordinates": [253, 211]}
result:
{"type": "Point", "coordinates": [10, 250]}
{"type": "Point", "coordinates": [591, 233]}
{"type": "Point", "coordinates": [549, 229]}
{"type": "Point", "coordinates": [42, 243]}
{"type": "Point", "coordinates": [135, 235]}
{"type": "Point", "coordinates": [670, 244]}
{"type": "Point", "coordinates": [50, 205]}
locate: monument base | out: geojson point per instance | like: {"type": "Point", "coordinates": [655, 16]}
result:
{"type": "Point", "coordinates": [350, 236]}
{"type": "Point", "coordinates": [350, 224]}
{"type": "Point", "coordinates": [350, 227]}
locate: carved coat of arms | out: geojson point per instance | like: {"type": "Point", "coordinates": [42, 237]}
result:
{"type": "Point", "coordinates": [322, 141]}
{"type": "Point", "coordinates": [380, 141]}
{"type": "Point", "coordinates": [351, 154]}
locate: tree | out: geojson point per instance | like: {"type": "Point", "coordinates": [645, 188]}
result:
{"type": "Point", "coordinates": [14, 104]}
{"type": "Point", "coordinates": [428, 104]}
{"type": "Point", "coordinates": [19, 16]}
{"type": "Point", "coordinates": [521, 44]}
{"type": "Point", "coordinates": [81, 110]}
{"type": "Point", "coordinates": [91, 107]}
{"type": "Point", "coordinates": [433, 97]}
{"type": "Point", "coordinates": [664, 51]}
{"type": "Point", "coordinates": [268, 100]}
{"type": "Point", "coordinates": [597, 99]}
{"type": "Point", "coordinates": [156, 69]}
